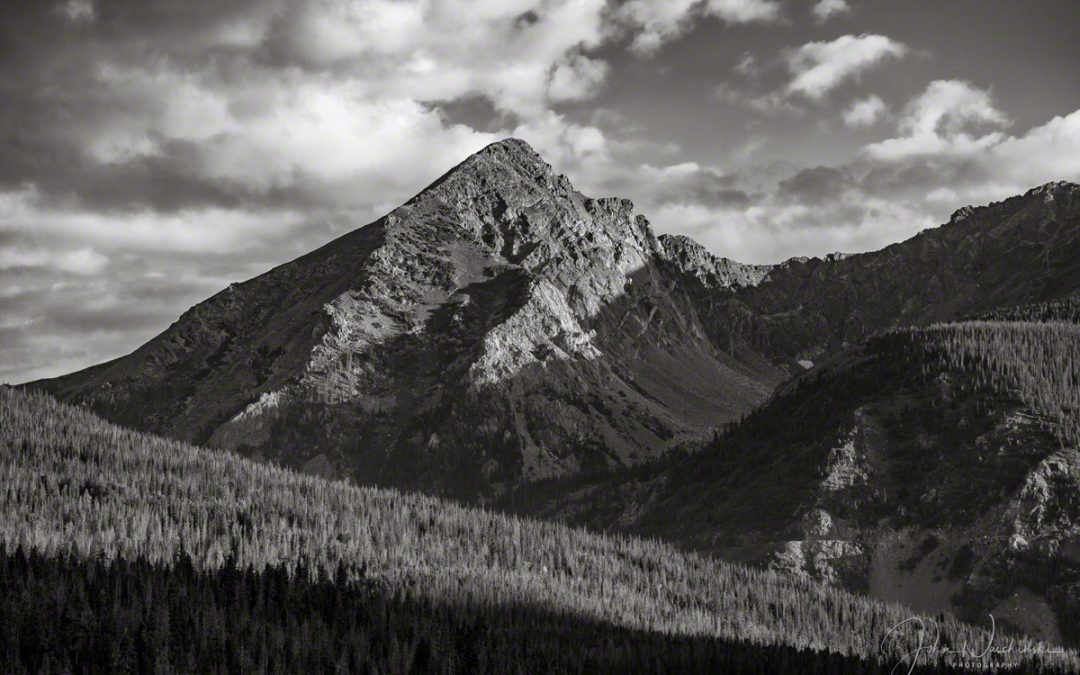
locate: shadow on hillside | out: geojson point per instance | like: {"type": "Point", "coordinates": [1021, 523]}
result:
{"type": "Point", "coordinates": [63, 615]}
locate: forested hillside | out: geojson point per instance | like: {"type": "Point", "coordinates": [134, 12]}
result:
{"type": "Point", "coordinates": [213, 546]}
{"type": "Point", "coordinates": [1067, 309]}
{"type": "Point", "coordinates": [64, 614]}
{"type": "Point", "coordinates": [936, 465]}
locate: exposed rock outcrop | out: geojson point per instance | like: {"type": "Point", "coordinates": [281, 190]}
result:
{"type": "Point", "coordinates": [713, 272]}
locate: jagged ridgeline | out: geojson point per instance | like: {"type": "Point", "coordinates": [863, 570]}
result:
{"type": "Point", "coordinates": [936, 466]}
{"type": "Point", "coordinates": [124, 550]}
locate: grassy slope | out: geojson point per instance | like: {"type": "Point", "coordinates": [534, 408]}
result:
{"type": "Point", "coordinates": [75, 485]}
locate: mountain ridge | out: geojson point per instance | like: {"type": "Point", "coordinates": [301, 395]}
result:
{"type": "Point", "coordinates": [1016, 251]}
{"type": "Point", "coordinates": [500, 327]}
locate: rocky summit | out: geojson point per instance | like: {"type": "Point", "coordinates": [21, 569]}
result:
{"type": "Point", "coordinates": [498, 327]}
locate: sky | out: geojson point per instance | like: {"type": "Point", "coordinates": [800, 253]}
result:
{"type": "Point", "coordinates": [154, 151]}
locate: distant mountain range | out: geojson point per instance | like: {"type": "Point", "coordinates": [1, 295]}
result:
{"type": "Point", "coordinates": [902, 422]}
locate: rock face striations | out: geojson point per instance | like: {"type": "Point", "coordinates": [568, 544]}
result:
{"type": "Point", "coordinates": [498, 327]}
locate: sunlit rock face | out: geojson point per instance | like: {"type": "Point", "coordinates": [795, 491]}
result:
{"type": "Point", "coordinates": [498, 327]}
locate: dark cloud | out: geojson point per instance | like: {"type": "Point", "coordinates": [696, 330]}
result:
{"type": "Point", "coordinates": [814, 186]}
{"type": "Point", "coordinates": [691, 184]}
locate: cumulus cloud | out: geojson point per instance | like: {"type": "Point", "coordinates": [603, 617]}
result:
{"type": "Point", "coordinates": [820, 67]}
{"type": "Point", "coordinates": [83, 261]}
{"type": "Point", "coordinates": [440, 50]}
{"type": "Point", "coordinates": [937, 162]}
{"type": "Point", "coordinates": [77, 10]}
{"type": "Point", "coordinates": [743, 11]}
{"type": "Point", "coordinates": [765, 103]}
{"type": "Point", "coordinates": [659, 21]}
{"type": "Point", "coordinates": [577, 78]}
{"type": "Point", "coordinates": [952, 148]}
{"type": "Point", "coordinates": [951, 117]}
{"type": "Point", "coordinates": [747, 65]}
{"type": "Point", "coordinates": [770, 230]}
{"type": "Point", "coordinates": [1048, 152]}
{"type": "Point", "coordinates": [826, 9]}
{"type": "Point", "coordinates": [814, 186]}
{"type": "Point", "coordinates": [865, 112]}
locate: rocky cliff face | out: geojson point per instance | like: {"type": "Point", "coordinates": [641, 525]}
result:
{"type": "Point", "coordinates": [712, 272]}
{"type": "Point", "coordinates": [499, 326]}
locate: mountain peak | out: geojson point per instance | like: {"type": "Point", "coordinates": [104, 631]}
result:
{"type": "Point", "coordinates": [1047, 193]}
{"type": "Point", "coordinates": [509, 153]}
{"type": "Point", "coordinates": [505, 167]}
{"type": "Point", "coordinates": [510, 146]}
{"type": "Point", "coordinates": [1053, 186]}
{"type": "Point", "coordinates": [498, 327]}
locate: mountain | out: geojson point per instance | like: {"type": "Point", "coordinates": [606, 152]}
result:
{"type": "Point", "coordinates": [499, 326]}
{"type": "Point", "coordinates": [129, 551]}
{"type": "Point", "coordinates": [902, 423]}
{"type": "Point", "coordinates": [1021, 250]}
{"type": "Point", "coordinates": [936, 466]}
